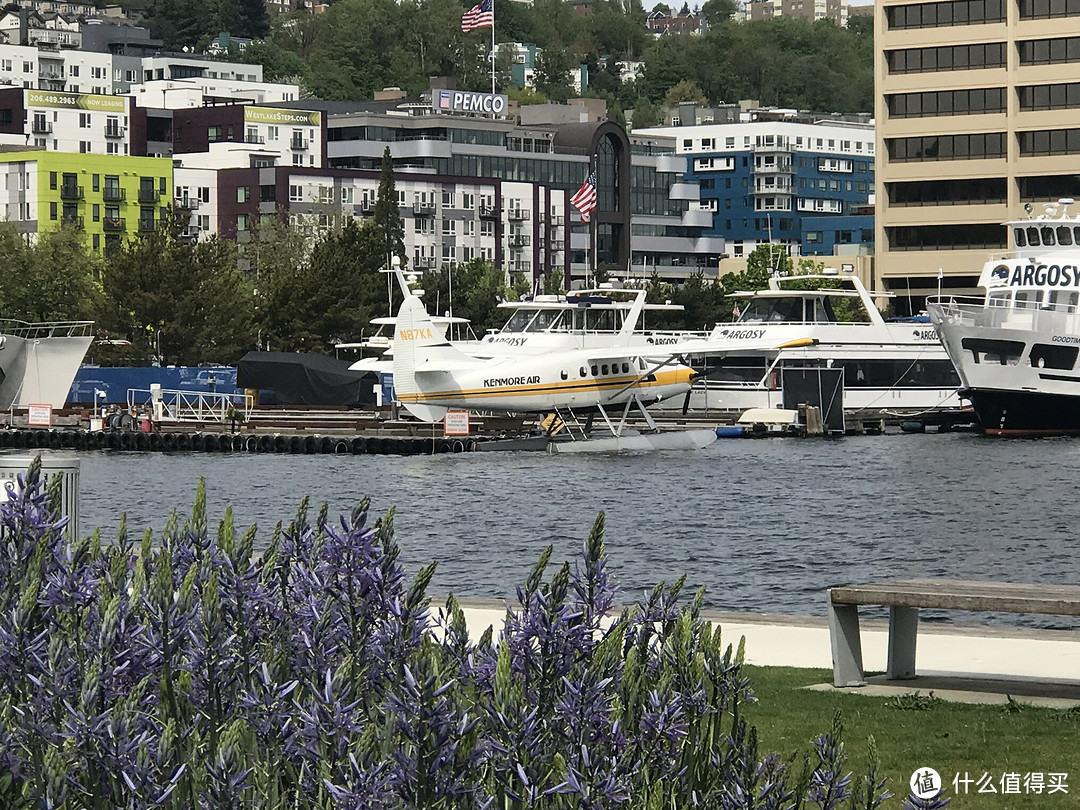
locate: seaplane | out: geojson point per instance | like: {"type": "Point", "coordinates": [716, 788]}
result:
{"type": "Point", "coordinates": [432, 377]}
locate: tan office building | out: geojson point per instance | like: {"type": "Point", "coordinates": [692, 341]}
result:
{"type": "Point", "coordinates": [978, 112]}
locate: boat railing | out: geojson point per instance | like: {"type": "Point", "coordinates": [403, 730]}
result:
{"type": "Point", "coordinates": [983, 313]}
{"type": "Point", "coordinates": [46, 329]}
{"type": "Point", "coordinates": [192, 406]}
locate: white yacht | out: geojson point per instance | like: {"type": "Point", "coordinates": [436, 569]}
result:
{"type": "Point", "coordinates": [1016, 347]}
{"type": "Point", "coordinates": [585, 319]}
{"type": "Point", "coordinates": [38, 361]}
{"type": "Point", "coordinates": [824, 320]}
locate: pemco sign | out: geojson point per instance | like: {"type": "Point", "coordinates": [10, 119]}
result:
{"type": "Point", "coordinates": [459, 101]}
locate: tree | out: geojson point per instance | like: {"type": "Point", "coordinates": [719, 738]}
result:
{"type": "Point", "coordinates": [715, 12]}
{"type": "Point", "coordinates": [52, 279]}
{"type": "Point", "coordinates": [187, 303]}
{"type": "Point", "coordinates": [279, 64]}
{"type": "Point", "coordinates": [244, 18]}
{"type": "Point", "coordinates": [684, 91]}
{"type": "Point", "coordinates": [388, 222]}
{"type": "Point", "coordinates": [645, 114]}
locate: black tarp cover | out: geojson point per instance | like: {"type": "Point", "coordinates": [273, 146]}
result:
{"type": "Point", "coordinates": [305, 379]}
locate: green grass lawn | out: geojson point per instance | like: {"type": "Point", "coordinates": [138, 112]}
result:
{"type": "Point", "coordinates": [910, 733]}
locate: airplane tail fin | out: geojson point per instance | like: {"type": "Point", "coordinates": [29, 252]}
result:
{"type": "Point", "coordinates": [421, 351]}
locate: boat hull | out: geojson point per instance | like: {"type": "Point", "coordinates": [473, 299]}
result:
{"type": "Point", "coordinates": [39, 370]}
{"type": "Point", "coordinates": [1025, 413]}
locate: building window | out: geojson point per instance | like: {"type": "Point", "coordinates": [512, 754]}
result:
{"type": "Point", "coordinates": [1049, 51]}
{"type": "Point", "coordinates": [949, 13]}
{"type": "Point", "coordinates": [52, 210]}
{"type": "Point", "coordinates": [296, 193]}
{"type": "Point", "coordinates": [947, 147]}
{"type": "Point", "coordinates": [242, 222]}
{"type": "Point", "coordinates": [1049, 142]}
{"type": "Point", "coordinates": [948, 57]}
{"type": "Point", "coordinates": [268, 193]}
{"type": "Point", "coordinates": [243, 194]}
{"type": "Point", "coordinates": [213, 133]}
{"type": "Point", "coordinates": [1045, 9]}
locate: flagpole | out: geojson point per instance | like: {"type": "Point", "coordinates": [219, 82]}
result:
{"type": "Point", "coordinates": [493, 48]}
{"type": "Point", "coordinates": [593, 226]}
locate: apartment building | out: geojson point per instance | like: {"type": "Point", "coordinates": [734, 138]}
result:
{"type": "Point", "coordinates": [107, 197]}
{"type": "Point", "coordinates": [759, 180]}
{"type": "Point", "coordinates": [978, 113]}
{"type": "Point", "coordinates": [85, 123]}
{"type": "Point", "coordinates": [106, 73]}
{"type": "Point", "coordinates": [835, 10]}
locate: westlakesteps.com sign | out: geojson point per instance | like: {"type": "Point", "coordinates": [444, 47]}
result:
{"type": "Point", "coordinates": [459, 101]}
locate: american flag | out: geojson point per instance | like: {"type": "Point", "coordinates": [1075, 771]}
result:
{"type": "Point", "coordinates": [482, 15]}
{"type": "Point", "coordinates": [585, 199]}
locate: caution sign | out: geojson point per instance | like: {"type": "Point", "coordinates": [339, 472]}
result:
{"type": "Point", "coordinates": [39, 415]}
{"type": "Point", "coordinates": [456, 423]}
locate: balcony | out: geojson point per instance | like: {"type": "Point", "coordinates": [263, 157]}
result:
{"type": "Point", "coordinates": [188, 203]}
{"type": "Point", "coordinates": [299, 144]}
{"type": "Point", "coordinates": [118, 225]}
{"type": "Point", "coordinates": [70, 191]}
{"type": "Point", "coordinates": [557, 245]}
{"type": "Point", "coordinates": [556, 221]}
{"type": "Point", "coordinates": [148, 195]}
{"type": "Point", "coordinates": [425, 262]}
{"type": "Point", "coordinates": [115, 131]}
{"type": "Point", "coordinates": [147, 226]}
{"type": "Point", "coordinates": [366, 208]}
{"type": "Point", "coordinates": [74, 220]}
{"type": "Point", "coordinates": [518, 240]}
{"type": "Point", "coordinates": [113, 194]}
{"type": "Point", "coordinates": [520, 267]}
{"type": "Point", "coordinates": [255, 139]}
{"type": "Point", "coordinates": [517, 215]}
{"type": "Point", "coordinates": [424, 209]}
{"type": "Point", "coordinates": [40, 127]}
{"type": "Point", "coordinates": [489, 212]}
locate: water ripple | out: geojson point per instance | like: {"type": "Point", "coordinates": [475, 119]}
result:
{"type": "Point", "coordinates": [763, 525]}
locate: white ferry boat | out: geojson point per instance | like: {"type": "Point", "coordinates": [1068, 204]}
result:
{"type": "Point", "coordinates": [824, 320]}
{"type": "Point", "coordinates": [1016, 348]}
{"type": "Point", "coordinates": [39, 361]}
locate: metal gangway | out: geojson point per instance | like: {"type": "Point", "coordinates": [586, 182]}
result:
{"type": "Point", "coordinates": [166, 405]}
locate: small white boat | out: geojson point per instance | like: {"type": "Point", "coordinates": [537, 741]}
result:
{"type": "Point", "coordinates": [1016, 348]}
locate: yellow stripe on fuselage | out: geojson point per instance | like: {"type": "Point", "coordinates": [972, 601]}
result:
{"type": "Point", "coordinates": [598, 384]}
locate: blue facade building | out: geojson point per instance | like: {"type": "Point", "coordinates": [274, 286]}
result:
{"type": "Point", "coordinates": [761, 179]}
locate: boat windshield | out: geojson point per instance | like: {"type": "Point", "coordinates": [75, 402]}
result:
{"type": "Point", "coordinates": [531, 320]}
{"type": "Point", "coordinates": [804, 309]}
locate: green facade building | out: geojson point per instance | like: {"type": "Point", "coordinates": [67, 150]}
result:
{"type": "Point", "coordinates": [107, 197]}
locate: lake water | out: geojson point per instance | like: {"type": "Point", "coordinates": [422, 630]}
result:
{"type": "Point", "coordinates": [765, 525]}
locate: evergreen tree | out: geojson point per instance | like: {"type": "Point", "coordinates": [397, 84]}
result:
{"type": "Point", "coordinates": [387, 216]}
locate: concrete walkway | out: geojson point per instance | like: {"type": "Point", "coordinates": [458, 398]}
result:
{"type": "Point", "coordinates": [970, 663]}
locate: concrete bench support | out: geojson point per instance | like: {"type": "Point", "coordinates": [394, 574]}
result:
{"type": "Point", "coordinates": [846, 645]}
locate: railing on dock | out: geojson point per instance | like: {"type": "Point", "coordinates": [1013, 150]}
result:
{"type": "Point", "coordinates": [192, 406]}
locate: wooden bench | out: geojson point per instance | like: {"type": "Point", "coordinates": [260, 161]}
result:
{"type": "Point", "coordinates": [904, 597]}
